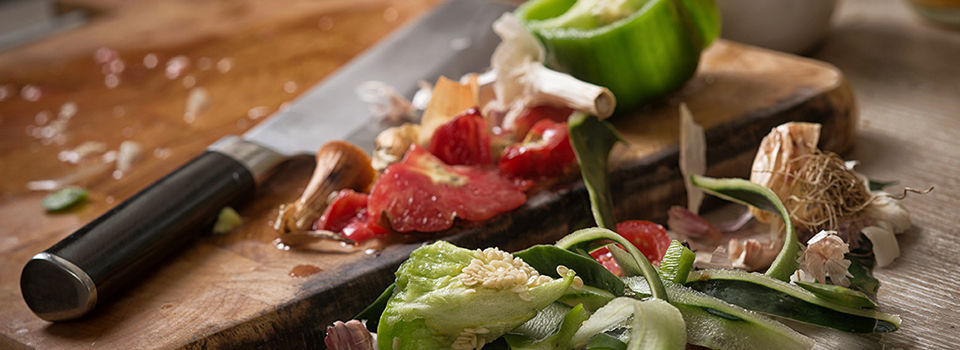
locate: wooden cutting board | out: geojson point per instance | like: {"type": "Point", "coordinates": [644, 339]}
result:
{"type": "Point", "coordinates": [240, 289]}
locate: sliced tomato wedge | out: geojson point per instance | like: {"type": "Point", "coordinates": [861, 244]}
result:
{"type": "Point", "coordinates": [464, 140]}
{"type": "Point", "coordinates": [347, 206]}
{"type": "Point", "coordinates": [545, 152]}
{"type": "Point", "coordinates": [532, 115]}
{"type": "Point", "coordinates": [363, 228]}
{"type": "Point", "coordinates": [649, 237]}
{"type": "Point", "coordinates": [605, 258]}
{"type": "Point", "coordinates": [348, 215]}
{"type": "Point", "coordinates": [421, 193]}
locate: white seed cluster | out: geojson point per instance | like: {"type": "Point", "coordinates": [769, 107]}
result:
{"type": "Point", "coordinates": [470, 338]}
{"type": "Point", "coordinates": [495, 269]}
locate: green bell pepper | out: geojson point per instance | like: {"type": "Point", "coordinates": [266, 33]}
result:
{"type": "Point", "coordinates": [450, 297]}
{"type": "Point", "coordinates": [639, 49]}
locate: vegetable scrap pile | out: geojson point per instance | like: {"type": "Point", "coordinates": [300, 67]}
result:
{"type": "Point", "coordinates": [632, 288]}
{"type": "Point", "coordinates": [482, 145]}
{"type": "Point", "coordinates": [485, 142]}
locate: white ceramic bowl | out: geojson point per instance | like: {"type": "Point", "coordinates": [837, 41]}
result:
{"type": "Point", "coordinates": [785, 25]}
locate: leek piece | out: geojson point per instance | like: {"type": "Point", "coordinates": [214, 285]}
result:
{"type": "Point", "coordinates": [65, 198]}
{"type": "Point", "coordinates": [227, 220]}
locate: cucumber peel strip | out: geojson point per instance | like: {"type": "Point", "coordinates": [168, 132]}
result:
{"type": "Point", "coordinates": [677, 262]}
{"type": "Point", "coordinates": [654, 324]}
{"type": "Point", "coordinates": [558, 339]}
{"type": "Point", "coordinates": [748, 193]}
{"type": "Point", "coordinates": [587, 235]}
{"type": "Point", "coordinates": [715, 323]}
{"type": "Point", "coordinates": [838, 294]}
{"type": "Point", "coordinates": [592, 157]}
{"type": "Point", "coordinates": [793, 302]}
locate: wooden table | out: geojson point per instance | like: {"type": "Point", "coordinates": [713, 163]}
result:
{"type": "Point", "coordinates": [903, 71]}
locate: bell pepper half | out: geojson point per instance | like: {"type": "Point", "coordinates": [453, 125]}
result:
{"type": "Point", "coordinates": [639, 49]}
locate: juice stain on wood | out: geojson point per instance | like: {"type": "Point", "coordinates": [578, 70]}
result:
{"type": "Point", "coordinates": [304, 270]}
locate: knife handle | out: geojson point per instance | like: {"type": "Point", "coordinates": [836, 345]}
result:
{"type": "Point", "coordinates": [108, 254]}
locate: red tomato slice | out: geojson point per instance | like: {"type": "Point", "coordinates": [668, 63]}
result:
{"type": "Point", "coordinates": [531, 116]}
{"type": "Point", "coordinates": [649, 237]}
{"type": "Point", "coordinates": [361, 229]}
{"type": "Point", "coordinates": [347, 214]}
{"type": "Point", "coordinates": [464, 140]}
{"type": "Point", "coordinates": [345, 208]}
{"type": "Point", "coordinates": [546, 152]}
{"type": "Point", "coordinates": [605, 258]}
{"type": "Point", "coordinates": [421, 193]}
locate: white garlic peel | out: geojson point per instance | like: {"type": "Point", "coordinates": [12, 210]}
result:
{"type": "Point", "coordinates": [888, 213]}
{"type": "Point", "coordinates": [824, 258]}
{"type": "Point", "coordinates": [885, 246]}
{"type": "Point", "coordinates": [693, 156]}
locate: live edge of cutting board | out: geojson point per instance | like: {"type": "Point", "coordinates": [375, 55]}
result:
{"type": "Point", "coordinates": [739, 94]}
{"type": "Point", "coordinates": [234, 290]}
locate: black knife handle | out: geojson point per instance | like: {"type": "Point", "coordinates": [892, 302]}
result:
{"type": "Point", "coordinates": [106, 255]}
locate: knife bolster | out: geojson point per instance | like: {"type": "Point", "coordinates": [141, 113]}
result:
{"type": "Point", "coordinates": [259, 160]}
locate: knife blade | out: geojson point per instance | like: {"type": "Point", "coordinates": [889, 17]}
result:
{"type": "Point", "coordinates": [115, 250]}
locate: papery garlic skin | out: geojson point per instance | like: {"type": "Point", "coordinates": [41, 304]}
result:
{"type": "Point", "coordinates": [888, 213]}
{"type": "Point", "coordinates": [885, 246]}
{"type": "Point", "coordinates": [824, 257]}
{"type": "Point", "coordinates": [774, 162]}
{"type": "Point", "coordinates": [519, 80]}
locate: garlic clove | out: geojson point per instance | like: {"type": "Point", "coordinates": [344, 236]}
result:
{"type": "Point", "coordinates": [393, 143]}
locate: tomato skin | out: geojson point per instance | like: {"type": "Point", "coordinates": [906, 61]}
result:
{"type": "Point", "coordinates": [362, 229]}
{"type": "Point", "coordinates": [464, 140]}
{"type": "Point", "coordinates": [546, 152]}
{"type": "Point", "coordinates": [348, 215]}
{"type": "Point", "coordinates": [347, 206]}
{"type": "Point", "coordinates": [649, 237]}
{"type": "Point", "coordinates": [421, 193]}
{"type": "Point", "coordinates": [532, 115]}
{"type": "Point", "coordinates": [605, 258]}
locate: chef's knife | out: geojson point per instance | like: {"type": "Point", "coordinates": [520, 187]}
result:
{"type": "Point", "coordinates": [70, 278]}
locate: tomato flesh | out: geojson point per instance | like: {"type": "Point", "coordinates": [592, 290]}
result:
{"type": "Point", "coordinates": [464, 140]}
{"type": "Point", "coordinates": [545, 152]}
{"type": "Point", "coordinates": [649, 237]}
{"type": "Point", "coordinates": [605, 258]}
{"type": "Point", "coordinates": [347, 206]}
{"type": "Point", "coordinates": [532, 115]}
{"type": "Point", "coordinates": [421, 193]}
{"type": "Point", "coordinates": [347, 214]}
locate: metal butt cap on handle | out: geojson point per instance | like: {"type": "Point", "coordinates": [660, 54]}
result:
{"type": "Point", "coordinates": [55, 289]}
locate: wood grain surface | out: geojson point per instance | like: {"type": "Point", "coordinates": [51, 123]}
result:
{"type": "Point", "coordinates": [236, 290]}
